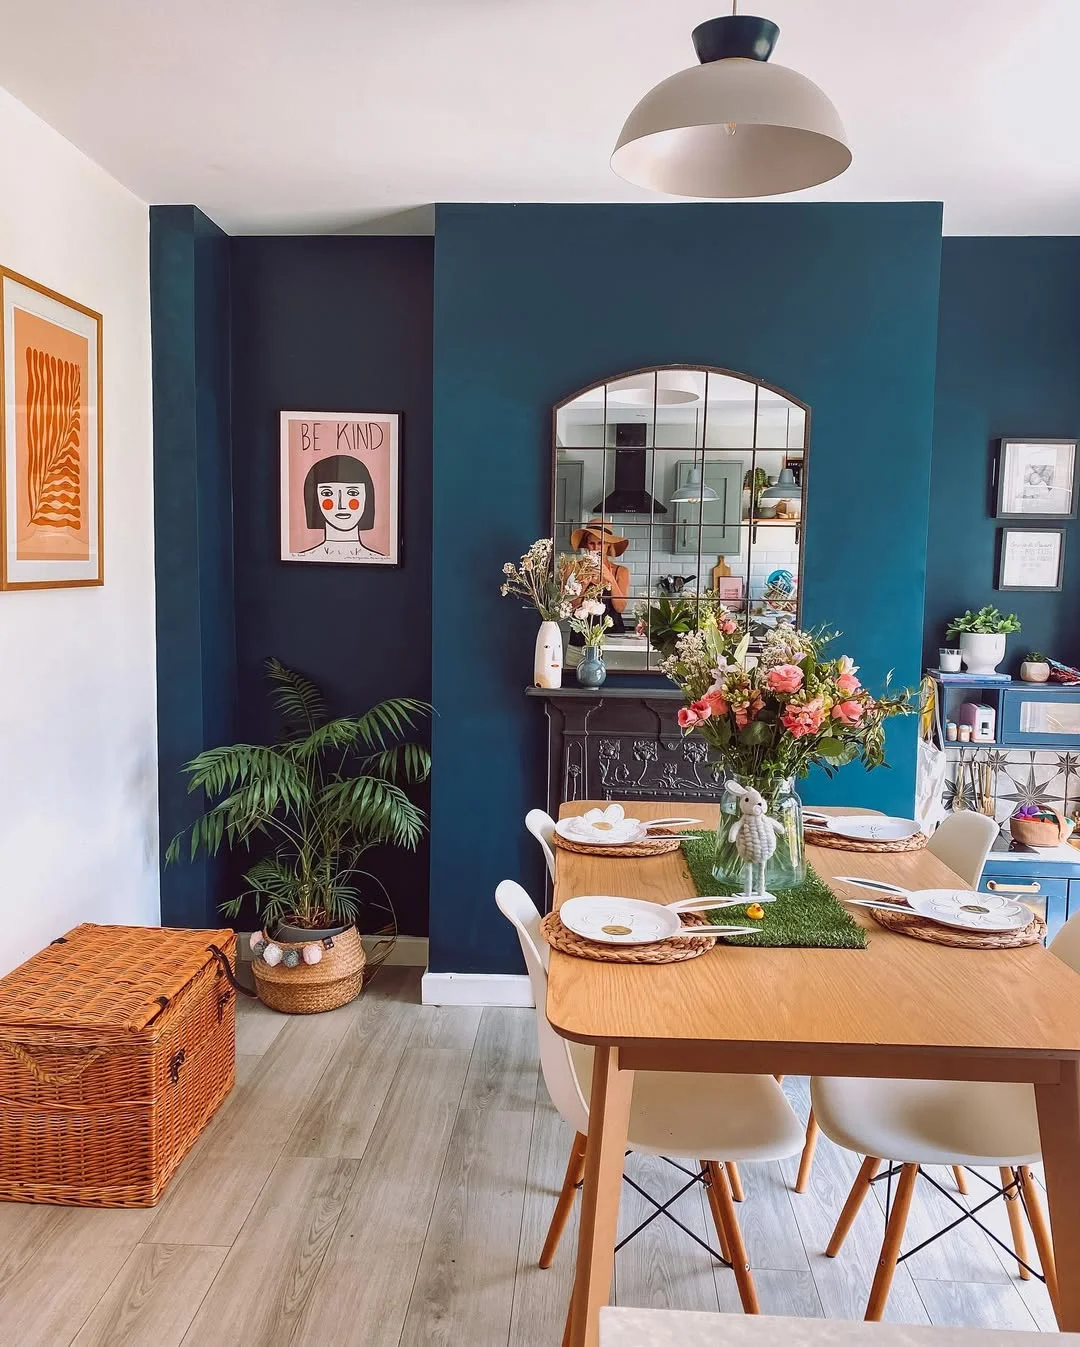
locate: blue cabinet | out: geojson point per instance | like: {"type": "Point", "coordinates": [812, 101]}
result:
{"type": "Point", "coordinates": [1034, 715]}
{"type": "Point", "coordinates": [1053, 898]}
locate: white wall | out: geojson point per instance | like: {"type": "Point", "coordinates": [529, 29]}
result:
{"type": "Point", "coordinates": [78, 737]}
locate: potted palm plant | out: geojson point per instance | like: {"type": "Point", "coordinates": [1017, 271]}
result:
{"type": "Point", "coordinates": [322, 796]}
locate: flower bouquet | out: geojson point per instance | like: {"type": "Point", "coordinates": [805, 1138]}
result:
{"type": "Point", "coordinates": [666, 620]}
{"type": "Point", "coordinates": [560, 589]}
{"type": "Point", "coordinates": [771, 717]}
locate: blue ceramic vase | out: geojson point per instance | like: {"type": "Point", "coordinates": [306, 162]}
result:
{"type": "Point", "coordinates": [591, 669]}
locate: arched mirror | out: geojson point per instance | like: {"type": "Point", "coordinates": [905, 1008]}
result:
{"type": "Point", "coordinates": [691, 481]}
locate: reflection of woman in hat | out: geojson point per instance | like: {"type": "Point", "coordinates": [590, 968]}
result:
{"type": "Point", "coordinates": [600, 539]}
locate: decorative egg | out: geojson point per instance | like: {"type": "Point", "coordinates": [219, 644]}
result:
{"type": "Point", "coordinates": [291, 958]}
{"type": "Point", "coordinates": [273, 955]}
{"type": "Point", "coordinates": [312, 954]}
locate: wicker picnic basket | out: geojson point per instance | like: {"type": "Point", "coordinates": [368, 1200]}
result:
{"type": "Point", "coordinates": [117, 1044]}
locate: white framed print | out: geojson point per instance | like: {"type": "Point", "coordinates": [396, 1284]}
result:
{"type": "Point", "coordinates": [51, 444]}
{"type": "Point", "coordinates": [341, 488]}
{"type": "Point", "coordinates": [1031, 559]}
{"type": "Point", "coordinates": [1037, 479]}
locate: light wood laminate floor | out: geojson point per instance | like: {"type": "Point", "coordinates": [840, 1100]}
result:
{"type": "Point", "coordinates": [383, 1176]}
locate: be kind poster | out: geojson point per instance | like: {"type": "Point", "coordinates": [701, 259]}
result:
{"type": "Point", "coordinates": [340, 487]}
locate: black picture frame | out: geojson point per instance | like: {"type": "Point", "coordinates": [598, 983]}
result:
{"type": "Point", "coordinates": [1006, 534]}
{"type": "Point", "coordinates": [1005, 473]}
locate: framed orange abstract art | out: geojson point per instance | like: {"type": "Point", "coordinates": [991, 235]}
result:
{"type": "Point", "coordinates": [51, 443]}
{"type": "Point", "coordinates": [340, 487]}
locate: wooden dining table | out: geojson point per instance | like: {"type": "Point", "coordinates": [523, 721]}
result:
{"type": "Point", "coordinates": [901, 1008]}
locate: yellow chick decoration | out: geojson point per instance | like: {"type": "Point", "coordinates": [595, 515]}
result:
{"type": "Point", "coordinates": [756, 911]}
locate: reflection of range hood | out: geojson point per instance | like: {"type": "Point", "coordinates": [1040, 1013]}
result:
{"type": "Point", "coordinates": [631, 466]}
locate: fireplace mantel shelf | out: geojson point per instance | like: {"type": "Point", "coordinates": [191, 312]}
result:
{"type": "Point", "coordinates": [607, 692]}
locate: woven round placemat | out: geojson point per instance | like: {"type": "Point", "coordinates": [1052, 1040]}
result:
{"type": "Point", "coordinates": [660, 846]}
{"type": "Point", "coordinates": [667, 951]}
{"type": "Point", "coordinates": [821, 837]}
{"type": "Point", "coordinates": [921, 929]}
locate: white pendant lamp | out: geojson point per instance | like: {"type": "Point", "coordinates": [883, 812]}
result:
{"type": "Point", "coordinates": [694, 490]}
{"type": "Point", "coordinates": [733, 126]}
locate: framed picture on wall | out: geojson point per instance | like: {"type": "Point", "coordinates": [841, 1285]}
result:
{"type": "Point", "coordinates": [341, 487]}
{"type": "Point", "coordinates": [1031, 559]}
{"type": "Point", "coordinates": [1037, 479]}
{"type": "Point", "coordinates": [51, 446]}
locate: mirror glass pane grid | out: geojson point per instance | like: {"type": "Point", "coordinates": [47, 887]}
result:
{"type": "Point", "coordinates": [701, 472]}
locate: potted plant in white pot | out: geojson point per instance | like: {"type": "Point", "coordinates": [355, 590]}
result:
{"type": "Point", "coordinates": [326, 793]}
{"type": "Point", "coordinates": [982, 638]}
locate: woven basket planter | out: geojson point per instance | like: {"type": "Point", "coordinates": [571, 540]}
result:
{"type": "Point", "coordinates": [1036, 832]}
{"type": "Point", "coordinates": [308, 989]}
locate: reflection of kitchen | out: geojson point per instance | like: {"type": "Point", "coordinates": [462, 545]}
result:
{"type": "Point", "coordinates": [708, 493]}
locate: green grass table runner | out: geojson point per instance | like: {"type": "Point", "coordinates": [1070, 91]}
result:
{"type": "Point", "coordinates": [808, 916]}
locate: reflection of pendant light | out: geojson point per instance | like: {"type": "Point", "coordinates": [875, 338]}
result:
{"type": "Point", "coordinates": [733, 126]}
{"type": "Point", "coordinates": [694, 490]}
{"type": "Point", "coordinates": [786, 488]}
{"type": "Point", "coordinates": [673, 388]}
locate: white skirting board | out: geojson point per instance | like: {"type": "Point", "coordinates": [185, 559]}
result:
{"type": "Point", "coordinates": [476, 989]}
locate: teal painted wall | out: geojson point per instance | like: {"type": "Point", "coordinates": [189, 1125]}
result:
{"type": "Point", "coordinates": [1008, 364]}
{"type": "Point", "coordinates": [342, 324]}
{"type": "Point", "coordinates": [835, 303]}
{"type": "Point", "coordinates": [196, 651]}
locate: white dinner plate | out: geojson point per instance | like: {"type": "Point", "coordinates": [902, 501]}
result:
{"type": "Point", "coordinates": [962, 908]}
{"type": "Point", "coordinates": [627, 921]}
{"type": "Point", "coordinates": [601, 832]}
{"type": "Point", "coordinates": [872, 828]}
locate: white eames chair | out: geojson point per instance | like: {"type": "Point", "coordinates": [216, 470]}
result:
{"type": "Point", "coordinates": [962, 842]}
{"type": "Point", "coordinates": [940, 1122]}
{"type": "Point", "coordinates": [705, 1119]}
{"type": "Point", "coordinates": [542, 827]}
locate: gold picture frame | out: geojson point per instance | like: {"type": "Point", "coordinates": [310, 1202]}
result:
{"type": "Point", "coordinates": [52, 447]}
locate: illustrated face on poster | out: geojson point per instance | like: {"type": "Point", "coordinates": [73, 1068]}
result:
{"type": "Point", "coordinates": [51, 459]}
{"type": "Point", "coordinates": [339, 487]}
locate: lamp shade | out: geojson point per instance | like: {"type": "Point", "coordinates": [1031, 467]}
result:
{"type": "Point", "coordinates": [694, 490]}
{"type": "Point", "coordinates": [734, 126]}
{"type": "Point", "coordinates": [786, 488]}
{"type": "Point", "coordinates": [669, 388]}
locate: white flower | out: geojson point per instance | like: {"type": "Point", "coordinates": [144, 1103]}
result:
{"type": "Point", "coordinates": [573, 586]}
{"type": "Point", "coordinates": [594, 607]}
{"type": "Point", "coordinates": [847, 665]}
{"type": "Point", "coordinates": [566, 610]}
{"type": "Point", "coordinates": [273, 955]}
{"type": "Point", "coordinates": [508, 569]}
{"type": "Point", "coordinates": [582, 612]}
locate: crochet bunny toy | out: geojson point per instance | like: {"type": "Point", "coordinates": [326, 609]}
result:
{"type": "Point", "coordinates": [754, 834]}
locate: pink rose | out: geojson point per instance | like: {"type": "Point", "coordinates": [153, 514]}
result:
{"type": "Point", "coordinates": [785, 678]}
{"type": "Point", "coordinates": [848, 683]}
{"type": "Point", "coordinates": [717, 703]}
{"type": "Point", "coordinates": [847, 713]}
{"type": "Point", "coordinates": [800, 720]}
{"type": "Point", "coordinates": [688, 718]}
{"type": "Point", "coordinates": [728, 626]}
{"type": "Point", "coordinates": [702, 709]}
{"type": "Point", "coordinates": [641, 629]}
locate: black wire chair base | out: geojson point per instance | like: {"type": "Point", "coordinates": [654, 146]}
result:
{"type": "Point", "coordinates": [1010, 1192]}
{"type": "Point", "coordinates": [664, 1209]}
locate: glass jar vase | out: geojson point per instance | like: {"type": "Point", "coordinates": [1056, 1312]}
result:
{"type": "Point", "coordinates": [739, 865]}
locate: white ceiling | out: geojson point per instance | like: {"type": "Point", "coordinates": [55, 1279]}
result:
{"type": "Point", "coordinates": [338, 115]}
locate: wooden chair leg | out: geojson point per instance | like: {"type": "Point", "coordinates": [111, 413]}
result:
{"type": "Point", "coordinates": [1039, 1228]}
{"type": "Point", "coordinates": [714, 1208]}
{"type": "Point", "coordinates": [806, 1160]}
{"type": "Point", "coordinates": [734, 1180]}
{"type": "Point", "coordinates": [739, 1261]}
{"type": "Point", "coordinates": [1016, 1218]}
{"type": "Point", "coordinates": [575, 1168]}
{"type": "Point", "coordinates": [890, 1249]}
{"type": "Point", "coordinates": [855, 1199]}
{"type": "Point", "coordinates": [960, 1179]}
{"type": "Point", "coordinates": [569, 1320]}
